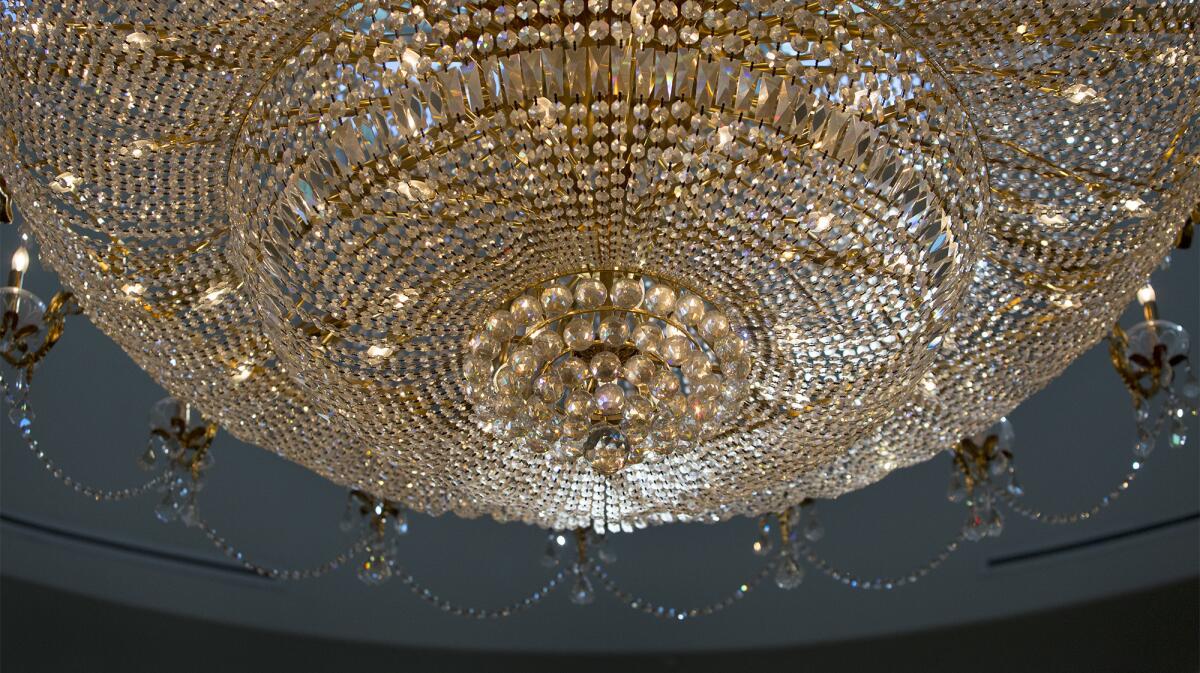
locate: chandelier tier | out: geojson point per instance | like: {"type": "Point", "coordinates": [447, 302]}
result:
{"type": "Point", "coordinates": [303, 220]}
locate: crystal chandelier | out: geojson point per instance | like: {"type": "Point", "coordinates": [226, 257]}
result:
{"type": "Point", "coordinates": [603, 264]}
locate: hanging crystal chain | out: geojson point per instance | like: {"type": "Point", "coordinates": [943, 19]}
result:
{"type": "Point", "coordinates": [878, 583]}
{"type": "Point", "coordinates": [666, 612]}
{"type": "Point", "coordinates": [1065, 518]}
{"type": "Point", "coordinates": [22, 419]}
{"type": "Point", "coordinates": [518, 606]}
{"type": "Point", "coordinates": [280, 573]}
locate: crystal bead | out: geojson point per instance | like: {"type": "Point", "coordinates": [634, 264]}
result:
{"type": "Point", "coordinates": [548, 387]}
{"type": "Point", "coordinates": [526, 311]}
{"type": "Point", "coordinates": [677, 350]}
{"type": "Point", "coordinates": [524, 362]}
{"type": "Point", "coordinates": [660, 300]}
{"type": "Point", "coordinates": [547, 345]}
{"type": "Point", "coordinates": [626, 293]}
{"type": "Point", "coordinates": [610, 398]}
{"type": "Point", "coordinates": [572, 371]}
{"type": "Point", "coordinates": [579, 334]}
{"type": "Point", "coordinates": [556, 300]}
{"type": "Point", "coordinates": [664, 385]}
{"type": "Point", "coordinates": [614, 330]}
{"type": "Point", "coordinates": [500, 326]}
{"type": "Point", "coordinates": [638, 409]}
{"type": "Point", "coordinates": [647, 338]}
{"type": "Point", "coordinates": [580, 403]}
{"type": "Point", "coordinates": [598, 30]}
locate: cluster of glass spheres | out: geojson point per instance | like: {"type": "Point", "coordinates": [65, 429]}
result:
{"type": "Point", "coordinates": [617, 368]}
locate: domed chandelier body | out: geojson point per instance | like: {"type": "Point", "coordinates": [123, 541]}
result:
{"type": "Point", "coordinates": [601, 264]}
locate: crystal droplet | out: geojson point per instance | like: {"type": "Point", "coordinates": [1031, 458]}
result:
{"type": "Point", "coordinates": [604, 552]}
{"type": "Point", "coordinates": [765, 542]}
{"type": "Point", "coordinates": [148, 458]}
{"type": "Point", "coordinates": [189, 514]}
{"type": "Point", "coordinates": [400, 523]}
{"type": "Point", "coordinates": [1014, 487]}
{"type": "Point", "coordinates": [167, 509]}
{"type": "Point", "coordinates": [375, 570]}
{"type": "Point", "coordinates": [788, 574]}
{"type": "Point", "coordinates": [1179, 433]}
{"type": "Point", "coordinates": [1144, 446]}
{"type": "Point", "coordinates": [813, 530]}
{"type": "Point", "coordinates": [21, 414]}
{"type": "Point", "coordinates": [1142, 418]}
{"type": "Point", "coordinates": [1005, 434]}
{"type": "Point", "coordinates": [975, 528]}
{"type": "Point", "coordinates": [998, 465]}
{"type": "Point", "coordinates": [550, 557]}
{"type": "Point", "coordinates": [957, 491]}
{"type": "Point", "coordinates": [581, 591]}
{"type": "Point", "coordinates": [1189, 390]}
{"type": "Point", "coordinates": [351, 516]}
{"type": "Point", "coordinates": [995, 524]}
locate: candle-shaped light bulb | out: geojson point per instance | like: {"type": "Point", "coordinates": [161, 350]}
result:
{"type": "Point", "coordinates": [1146, 294]}
{"type": "Point", "coordinates": [20, 259]}
{"type": "Point", "coordinates": [16, 271]}
{"type": "Point", "coordinates": [1148, 301]}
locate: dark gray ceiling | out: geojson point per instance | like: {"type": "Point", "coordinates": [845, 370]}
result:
{"type": "Point", "coordinates": [1073, 445]}
{"type": "Point", "coordinates": [50, 631]}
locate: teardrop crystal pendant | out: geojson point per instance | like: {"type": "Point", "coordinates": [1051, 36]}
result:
{"type": "Point", "coordinates": [957, 490]}
{"type": "Point", "coordinates": [550, 556]}
{"type": "Point", "coordinates": [375, 569]}
{"type": "Point", "coordinates": [788, 574]}
{"type": "Point", "coordinates": [813, 530]}
{"type": "Point", "coordinates": [765, 542]}
{"type": "Point", "coordinates": [582, 592]}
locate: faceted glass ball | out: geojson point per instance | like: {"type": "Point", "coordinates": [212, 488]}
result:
{"type": "Point", "coordinates": [660, 300]}
{"type": "Point", "coordinates": [626, 293]}
{"type": "Point", "coordinates": [556, 300]}
{"type": "Point", "coordinates": [590, 294]}
{"type": "Point", "coordinates": [579, 334]}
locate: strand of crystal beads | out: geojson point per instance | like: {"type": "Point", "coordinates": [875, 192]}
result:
{"type": "Point", "coordinates": [1059, 519]}
{"type": "Point", "coordinates": [280, 573]}
{"type": "Point", "coordinates": [678, 614]}
{"type": "Point", "coordinates": [878, 583]}
{"type": "Point", "coordinates": [521, 605]}
{"type": "Point", "coordinates": [91, 492]}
